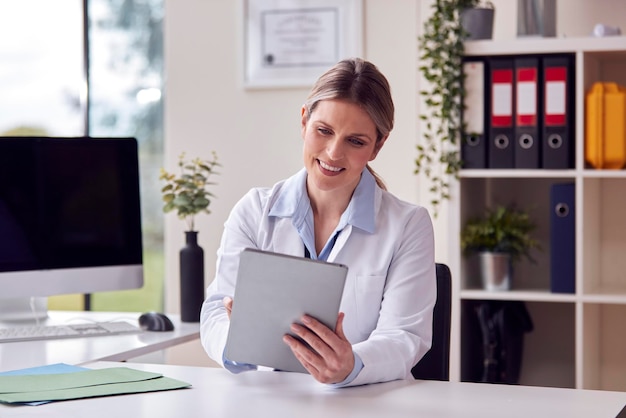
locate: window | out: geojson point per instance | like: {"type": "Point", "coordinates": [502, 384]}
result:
{"type": "Point", "coordinates": [57, 80]}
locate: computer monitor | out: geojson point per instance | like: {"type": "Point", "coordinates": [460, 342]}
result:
{"type": "Point", "coordinates": [70, 219]}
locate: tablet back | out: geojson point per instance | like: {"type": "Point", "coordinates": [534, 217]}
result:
{"type": "Point", "coordinates": [272, 292]}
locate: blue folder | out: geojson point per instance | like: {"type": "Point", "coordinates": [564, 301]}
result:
{"type": "Point", "coordinates": [562, 238]}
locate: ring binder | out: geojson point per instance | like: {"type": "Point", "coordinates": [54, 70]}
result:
{"type": "Point", "coordinates": [562, 238]}
{"type": "Point", "coordinates": [500, 148]}
{"type": "Point", "coordinates": [558, 112]}
{"type": "Point", "coordinates": [473, 144]}
{"type": "Point", "coordinates": [527, 144]}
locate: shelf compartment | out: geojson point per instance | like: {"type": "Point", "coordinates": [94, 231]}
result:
{"type": "Point", "coordinates": [603, 236]}
{"type": "Point", "coordinates": [548, 350]}
{"type": "Point", "coordinates": [604, 345]}
{"type": "Point", "coordinates": [532, 194]}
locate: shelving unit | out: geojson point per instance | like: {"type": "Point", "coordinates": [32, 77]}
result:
{"type": "Point", "coordinates": [579, 339]}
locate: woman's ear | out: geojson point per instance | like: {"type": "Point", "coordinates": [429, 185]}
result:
{"type": "Point", "coordinates": [304, 120]}
{"type": "Point", "coordinates": [377, 147]}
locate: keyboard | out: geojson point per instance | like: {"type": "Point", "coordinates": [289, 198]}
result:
{"type": "Point", "coordinates": [55, 332]}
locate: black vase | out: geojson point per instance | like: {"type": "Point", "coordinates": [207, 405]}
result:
{"type": "Point", "coordinates": [191, 278]}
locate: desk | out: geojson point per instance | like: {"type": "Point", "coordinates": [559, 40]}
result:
{"type": "Point", "coordinates": [75, 351]}
{"type": "Point", "coordinates": [218, 393]}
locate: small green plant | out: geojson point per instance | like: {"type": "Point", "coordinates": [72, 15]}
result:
{"type": "Point", "coordinates": [189, 193]}
{"type": "Point", "coordinates": [503, 230]}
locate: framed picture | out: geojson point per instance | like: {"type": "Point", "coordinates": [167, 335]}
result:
{"type": "Point", "coordinates": [290, 43]}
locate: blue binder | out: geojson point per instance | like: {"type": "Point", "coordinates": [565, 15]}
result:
{"type": "Point", "coordinates": [562, 238]}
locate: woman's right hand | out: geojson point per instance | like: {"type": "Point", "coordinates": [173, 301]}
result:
{"type": "Point", "coordinates": [228, 304]}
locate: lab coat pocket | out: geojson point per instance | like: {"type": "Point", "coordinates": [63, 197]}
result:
{"type": "Point", "coordinates": [369, 295]}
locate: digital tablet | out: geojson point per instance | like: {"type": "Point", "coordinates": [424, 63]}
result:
{"type": "Point", "coordinates": [272, 292]}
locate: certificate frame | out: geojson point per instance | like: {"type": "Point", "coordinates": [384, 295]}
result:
{"type": "Point", "coordinates": [290, 43]}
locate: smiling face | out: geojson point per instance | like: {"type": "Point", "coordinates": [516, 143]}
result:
{"type": "Point", "coordinates": [339, 140]}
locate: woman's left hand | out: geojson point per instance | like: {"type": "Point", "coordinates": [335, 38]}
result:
{"type": "Point", "coordinates": [331, 359]}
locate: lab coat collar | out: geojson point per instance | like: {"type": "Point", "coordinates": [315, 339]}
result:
{"type": "Point", "coordinates": [293, 202]}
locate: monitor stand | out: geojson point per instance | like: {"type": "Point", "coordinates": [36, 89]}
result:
{"type": "Point", "coordinates": [23, 309]}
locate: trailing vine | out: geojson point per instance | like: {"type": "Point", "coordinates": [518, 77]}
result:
{"type": "Point", "coordinates": [441, 52]}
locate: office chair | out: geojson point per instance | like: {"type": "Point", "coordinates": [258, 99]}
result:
{"type": "Point", "coordinates": [435, 365]}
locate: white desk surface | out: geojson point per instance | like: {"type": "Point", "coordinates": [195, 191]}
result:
{"type": "Point", "coordinates": [19, 355]}
{"type": "Point", "coordinates": [218, 393]}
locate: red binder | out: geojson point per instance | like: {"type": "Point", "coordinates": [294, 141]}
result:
{"type": "Point", "coordinates": [500, 149]}
{"type": "Point", "coordinates": [527, 143]}
{"type": "Point", "coordinates": [558, 112]}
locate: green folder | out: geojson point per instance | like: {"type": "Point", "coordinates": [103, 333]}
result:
{"type": "Point", "coordinates": [82, 384]}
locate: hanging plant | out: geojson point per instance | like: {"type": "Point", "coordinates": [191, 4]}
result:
{"type": "Point", "coordinates": [441, 52]}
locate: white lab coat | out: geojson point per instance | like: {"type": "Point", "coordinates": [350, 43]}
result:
{"type": "Point", "coordinates": [390, 290]}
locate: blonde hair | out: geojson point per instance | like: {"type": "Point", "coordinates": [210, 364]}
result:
{"type": "Point", "coordinates": [359, 82]}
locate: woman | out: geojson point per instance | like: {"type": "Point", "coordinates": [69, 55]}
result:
{"type": "Point", "coordinates": [337, 209]}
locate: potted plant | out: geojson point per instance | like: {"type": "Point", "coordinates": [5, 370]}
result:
{"type": "Point", "coordinates": [188, 194]}
{"type": "Point", "coordinates": [500, 237]}
{"type": "Point", "coordinates": [441, 52]}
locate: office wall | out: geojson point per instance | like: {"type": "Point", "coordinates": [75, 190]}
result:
{"type": "Point", "coordinates": [256, 133]}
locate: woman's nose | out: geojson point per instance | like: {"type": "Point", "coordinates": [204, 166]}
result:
{"type": "Point", "coordinates": [334, 149]}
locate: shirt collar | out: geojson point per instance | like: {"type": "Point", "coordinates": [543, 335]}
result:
{"type": "Point", "coordinates": [293, 202]}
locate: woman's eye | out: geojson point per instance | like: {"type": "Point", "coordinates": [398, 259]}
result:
{"type": "Point", "coordinates": [356, 141]}
{"type": "Point", "coordinates": [324, 131]}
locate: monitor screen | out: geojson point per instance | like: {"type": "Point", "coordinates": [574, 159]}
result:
{"type": "Point", "coordinates": [70, 219]}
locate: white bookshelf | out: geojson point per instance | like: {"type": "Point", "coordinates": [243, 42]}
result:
{"type": "Point", "coordinates": [579, 339]}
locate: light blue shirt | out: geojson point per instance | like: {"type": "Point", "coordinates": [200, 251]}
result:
{"type": "Point", "coordinates": [293, 202]}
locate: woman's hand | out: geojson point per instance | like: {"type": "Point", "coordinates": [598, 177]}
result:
{"type": "Point", "coordinates": [228, 304]}
{"type": "Point", "coordinates": [331, 358]}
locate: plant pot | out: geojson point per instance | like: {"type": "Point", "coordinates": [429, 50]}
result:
{"type": "Point", "coordinates": [495, 271]}
{"type": "Point", "coordinates": [478, 23]}
{"type": "Point", "coordinates": [191, 278]}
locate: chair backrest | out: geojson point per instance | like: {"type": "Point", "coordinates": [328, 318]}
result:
{"type": "Point", "coordinates": [435, 365]}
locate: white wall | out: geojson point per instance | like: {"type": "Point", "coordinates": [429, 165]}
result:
{"type": "Point", "coordinates": [256, 133]}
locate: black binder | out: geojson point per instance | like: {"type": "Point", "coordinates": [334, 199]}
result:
{"type": "Point", "coordinates": [558, 111]}
{"type": "Point", "coordinates": [501, 140]}
{"type": "Point", "coordinates": [562, 238]}
{"type": "Point", "coordinates": [473, 143]}
{"type": "Point", "coordinates": [527, 139]}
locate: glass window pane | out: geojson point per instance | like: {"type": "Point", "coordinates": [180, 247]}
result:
{"type": "Point", "coordinates": [125, 71]}
{"type": "Point", "coordinates": [42, 71]}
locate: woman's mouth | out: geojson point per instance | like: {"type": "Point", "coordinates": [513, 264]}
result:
{"type": "Point", "coordinates": [328, 167]}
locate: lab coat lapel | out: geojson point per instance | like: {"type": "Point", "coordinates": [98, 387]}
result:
{"type": "Point", "coordinates": [290, 241]}
{"type": "Point", "coordinates": [342, 238]}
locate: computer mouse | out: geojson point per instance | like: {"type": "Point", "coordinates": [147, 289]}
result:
{"type": "Point", "coordinates": [155, 321]}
